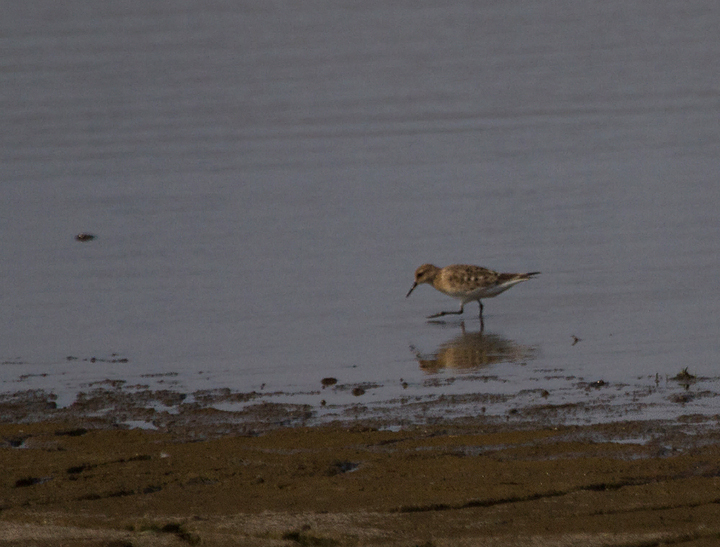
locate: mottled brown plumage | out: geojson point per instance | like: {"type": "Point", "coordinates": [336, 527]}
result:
{"type": "Point", "coordinates": [467, 283]}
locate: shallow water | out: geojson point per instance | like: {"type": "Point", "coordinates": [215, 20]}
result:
{"type": "Point", "coordinates": [264, 179]}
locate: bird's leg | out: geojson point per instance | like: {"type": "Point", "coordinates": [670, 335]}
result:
{"type": "Point", "coordinates": [447, 313]}
{"type": "Point", "coordinates": [482, 323]}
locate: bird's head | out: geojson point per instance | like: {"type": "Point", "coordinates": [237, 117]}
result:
{"type": "Point", "coordinates": [424, 274]}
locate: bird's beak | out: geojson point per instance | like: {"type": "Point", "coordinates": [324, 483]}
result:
{"type": "Point", "coordinates": [411, 290]}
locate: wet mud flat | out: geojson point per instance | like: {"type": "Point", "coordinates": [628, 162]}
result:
{"type": "Point", "coordinates": [158, 402]}
{"type": "Point", "coordinates": [80, 477]}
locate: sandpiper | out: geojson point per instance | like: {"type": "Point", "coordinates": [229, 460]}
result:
{"type": "Point", "coordinates": [467, 283]}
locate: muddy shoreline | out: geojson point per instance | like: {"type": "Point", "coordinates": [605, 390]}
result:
{"type": "Point", "coordinates": [221, 411]}
{"type": "Point", "coordinates": [83, 476]}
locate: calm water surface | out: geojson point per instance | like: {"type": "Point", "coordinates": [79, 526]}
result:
{"type": "Point", "coordinates": [264, 177]}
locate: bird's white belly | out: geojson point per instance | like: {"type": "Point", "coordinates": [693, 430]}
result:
{"type": "Point", "coordinates": [482, 292]}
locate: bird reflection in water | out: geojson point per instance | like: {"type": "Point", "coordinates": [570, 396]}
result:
{"type": "Point", "coordinates": [473, 350]}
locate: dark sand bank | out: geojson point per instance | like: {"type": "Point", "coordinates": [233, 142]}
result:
{"type": "Point", "coordinates": [465, 482]}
